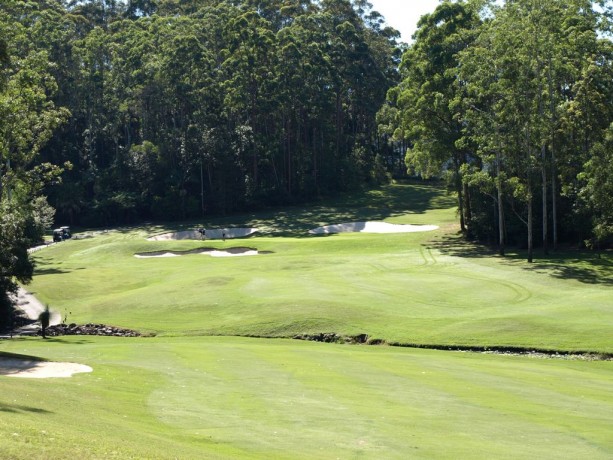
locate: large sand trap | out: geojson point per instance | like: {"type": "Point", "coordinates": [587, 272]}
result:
{"type": "Point", "coordinates": [211, 234]}
{"type": "Point", "coordinates": [371, 227]}
{"type": "Point", "coordinates": [230, 252]}
{"type": "Point", "coordinates": [31, 369]}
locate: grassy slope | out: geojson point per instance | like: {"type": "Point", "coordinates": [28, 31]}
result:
{"type": "Point", "coordinates": [411, 288]}
{"type": "Point", "coordinates": [198, 397]}
{"type": "Point", "coordinates": [182, 395]}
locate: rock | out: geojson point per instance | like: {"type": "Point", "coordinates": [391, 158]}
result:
{"type": "Point", "coordinates": [90, 329]}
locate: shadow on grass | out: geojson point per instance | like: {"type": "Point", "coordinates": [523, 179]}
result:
{"type": "Point", "coordinates": [360, 206]}
{"type": "Point", "coordinates": [16, 408]}
{"type": "Point", "coordinates": [80, 341]}
{"type": "Point", "coordinates": [295, 221]}
{"type": "Point", "coordinates": [583, 266]}
{"type": "Point", "coordinates": [55, 271]}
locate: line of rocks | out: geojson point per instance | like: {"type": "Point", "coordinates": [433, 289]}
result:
{"type": "Point", "coordinates": [89, 329]}
{"type": "Point", "coordinates": [332, 337]}
{"type": "Point", "coordinates": [364, 339]}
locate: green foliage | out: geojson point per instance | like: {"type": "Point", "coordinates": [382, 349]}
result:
{"type": "Point", "coordinates": [598, 187]}
{"type": "Point", "coordinates": [246, 103]}
{"type": "Point", "coordinates": [520, 92]}
{"type": "Point", "coordinates": [15, 264]}
{"type": "Point", "coordinates": [28, 118]}
{"type": "Point", "coordinates": [429, 103]}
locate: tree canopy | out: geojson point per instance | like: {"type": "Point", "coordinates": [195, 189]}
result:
{"type": "Point", "coordinates": [513, 102]}
{"type": "Point", "coordinates": [180, 109]}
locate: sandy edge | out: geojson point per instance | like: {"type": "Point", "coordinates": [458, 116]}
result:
{"type": "Point", "coordinates": [231, 252]}
{"type": "Point", "coordinates": [30, 369]}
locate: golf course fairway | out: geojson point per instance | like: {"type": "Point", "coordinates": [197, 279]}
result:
{"type": "Point", "coordinates": [217, 374]}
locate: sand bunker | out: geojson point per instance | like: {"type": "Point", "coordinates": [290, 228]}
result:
{"type": "Point", "coordinates": [210, 234]}
{"type": "Point", "coordinates": [230, 252]}
{"type": "Point", "coordinates": [371, 227]}
{"type": "Point", "coordinates": [148, 255]}
{"type": "Point", "coordinates": [31, 369]}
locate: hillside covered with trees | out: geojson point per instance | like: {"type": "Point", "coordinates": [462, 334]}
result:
{"type": "Point", "coordinates": [181, 109]}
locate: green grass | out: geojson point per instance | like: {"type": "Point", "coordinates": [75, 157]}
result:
{"type": "Point", "coordinates": [422, 288]}
{"type": "Point", "coordinates": [196, 390]}
{"type": "Point", "coordinates": [195, 397]}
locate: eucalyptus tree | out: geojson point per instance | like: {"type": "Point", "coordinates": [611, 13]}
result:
{"type": "Point", "coordinates": [597, 189]}
{"type": "Point", "coordinates": [503, 77]}
{"type": "Point", "coordinates": [430, 103]}
{"type": "Point", "coordinates": [249, 97]}
{"type": "Point", "coordinates": [522, 77]}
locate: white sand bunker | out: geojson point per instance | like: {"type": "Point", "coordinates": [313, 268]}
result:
{"type": "Point", "coordinates": [234, 252]}
{"type": "Point", "coordinates": [372, 227]}
{"type": "Point", "coordinates": [209, 234]}
{"type": "Point", "coordinates": [148, 255]}
{"type": "Point", "coordinates": [230, 252]}
{"type": "Point", "coordinates": [31, 369]}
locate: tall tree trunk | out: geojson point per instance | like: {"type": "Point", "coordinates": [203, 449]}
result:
{"type": "Point", "coordinates": [467, 207]}
{"type": "Point", "coordinates": [458, 187]}
{"type": "Point", "coordinates": [501, 239]}
{"type": "Point", "coordinates": [461, 209]}
{"type": "Point", "coordinates": [552, 108]}
{"type": "Point", "coordinates": [554, 198]}
{"type": "Point", "coordinates": [202, 186]}
{"type": "Point", "coordinates": [545, 209]}
{"type": "Point", "coordinates": [530, 224]}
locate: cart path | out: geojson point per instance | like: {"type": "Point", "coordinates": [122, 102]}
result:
{"type": "Point", "coordinates": [32, 307]}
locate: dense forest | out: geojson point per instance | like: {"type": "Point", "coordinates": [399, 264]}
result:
{"type": "Point", "coordinates": [181, 109]}
{"type": "Point", "coordinates": [114, 112]}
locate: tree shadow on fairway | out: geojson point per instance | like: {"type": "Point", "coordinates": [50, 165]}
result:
{"type": "Point", "coordinates": [457, 246]}
{"type": "Point", "coordinates": [16, 409]}
{"type": "Point", "coordinates": [360, 206]}
{"type": "Point", "coordinates": [356, 206]}
{"type": "Point", "coordinates": [54, 271]}
{"type": "Point", "coordinates": [74, 341]}
{"type": "Point", "coordinates": [582, 266]}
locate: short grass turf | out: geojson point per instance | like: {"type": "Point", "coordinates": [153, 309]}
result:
{"type": "Point", "coordinates": [411, 288]}
{"type": "Point", "coordinates": [189, 393]}
{"type": "Point", "coordinates": [195, 397]}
